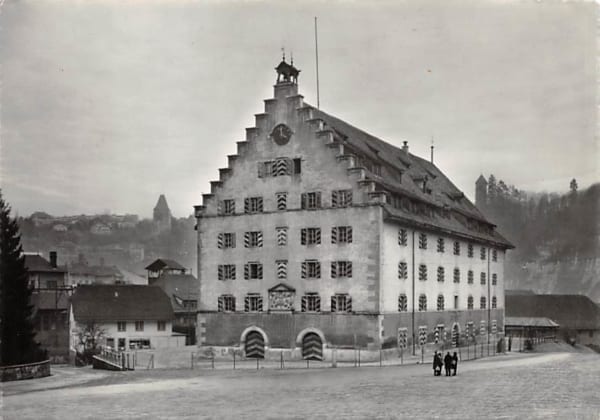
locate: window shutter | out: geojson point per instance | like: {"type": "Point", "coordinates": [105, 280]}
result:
{"type": "Point", "coordinates": [233, 272]}
{"type": "Point", "coordinates": [220, 272]}
{"type": "Point", "coordinates": [281, 269]}
{"type": "Point", "coordinates": [349, 234]}
{"type": "Point", "coordinates": [259, 204]}
{"type": "Point", "coordinates": [318, 270]}
{"type": "Point", "coordinates": [303, 308]}
{"type": "Point", "coordinates": [333, 303]}
{"type": "Point", "coordinates": [334, 269]}
{"type": "Point", "coordinates": [318, 303]}
{"type": "Point", "coordinates": [260, 303]}
{"type": "Point", "coordinates": [260, 239]}
{"type": "Point", "coordinates": [259, 271]}
{"type": "Point", "coordinates": [233, 240]}
{"type": "Point", "coordinates": [246, 205]}
{"type": "Point", "coordinates": [247, 304]}
{"type": "Point", "coordinates": [334, 198]}
{"type": "Point", "coordinates": [220, 241]}
{"type": "Point", "coordinates": [348, 196]}
{"type": "Point", "coordinates": [233, 302]}
{"type": "Point", "coordinates": [303, 273]}
{"type": "Point", "coordinates": [220, 304]}
{"type": "Point", "coordinates": [303, 200]}
{"type": "Point", "coordinates": [303, 236]}
{"type": "Point", "coordinates": [261, 169]}
{"type": "Point", "coordinates": [348, 303]}
{"type": "Point", "coordinates": [247, 271]}
{"type": "Point", "coordinates": [246, 239]}
{"type": "Point", "coordinates": [318, 199]}
{"type": "Point", "coordinates": [318, 236]}
{"type": "Point", "coordinates": [334, 235]}
{"type": "Point", "coordinates": [220, 207]}
{"type": "Point", "coordinates": [349, 269]}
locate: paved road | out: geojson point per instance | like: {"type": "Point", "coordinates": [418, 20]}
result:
{"type": "Point", "coordinates": [556, 385]}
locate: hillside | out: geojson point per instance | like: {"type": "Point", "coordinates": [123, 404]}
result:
{"type": "Point", "coordinates": [557, 237]}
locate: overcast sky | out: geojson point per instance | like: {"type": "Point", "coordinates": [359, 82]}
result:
{"type": "Point", "coordinates": [107, 104]}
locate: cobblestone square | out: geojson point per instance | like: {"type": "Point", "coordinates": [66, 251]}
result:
{"type": "Point", "coordinates": [555, 385]}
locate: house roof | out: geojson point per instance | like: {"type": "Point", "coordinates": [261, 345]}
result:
{"type": "Point", "coordinates": [162, 263]}
{"type": "Point", "coordinates": [535, 322]}
{"type": "Point", "coordinates": [161, 204]}
{"type": "Point", "coordinates": [569, 311]}
{"type": "Point", "coordinates": [179, 288]}
{"type": "Point", "coordinates": [37, 263]}
{"type": "Point", "coordinates": [402, 174]}
{"type": "Point", "coordinates": [94, 270]}
{"type": "Point", "coordinates": [120, 303]}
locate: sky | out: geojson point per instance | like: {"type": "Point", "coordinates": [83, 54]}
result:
{"type": "Point", "coordinates": [105, 105]}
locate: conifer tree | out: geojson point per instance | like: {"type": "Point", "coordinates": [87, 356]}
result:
{"type": "Point", "coordinates": [17, 344]}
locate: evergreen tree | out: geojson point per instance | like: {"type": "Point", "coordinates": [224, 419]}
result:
{"type": "Point", "coordinates": [17, 344]}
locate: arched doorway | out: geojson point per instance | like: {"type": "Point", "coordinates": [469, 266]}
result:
{"type": "Point", "coordinates": [312, 347]}
{"type": "Point", "coordinates": [455, 335]}
{"type": "Point", "coordinates": [254, 345]}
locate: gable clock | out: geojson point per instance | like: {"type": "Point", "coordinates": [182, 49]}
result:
{"type": "Point", "coordinates": [281, 134]}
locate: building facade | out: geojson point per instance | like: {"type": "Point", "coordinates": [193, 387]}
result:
{"type": "Point", "coordinates": [317, 232]}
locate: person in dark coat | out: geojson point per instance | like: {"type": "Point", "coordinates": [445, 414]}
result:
{"type": "Point", "coordinates": [454, 363]}
{"type": "Point", "coordinates": [448, 363]}
{"type": "Point", "coordinates": [435, 364]}
{"type": "Point", "coordinates": [440, 363]}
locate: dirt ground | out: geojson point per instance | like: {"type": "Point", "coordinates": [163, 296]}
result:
{"type": "Point", "coordinates": [549, 385]}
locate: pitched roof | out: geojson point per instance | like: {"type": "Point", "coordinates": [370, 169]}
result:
{"type": "Point", "coordinates": [179, 287]}
{"type": "Point", "coordinates": [37, 263]}
{"type": "Point", "coordinates": [161, 204]}
{"type": "Point", "coordinates": [94, 270]}
{"type": "Point", "coordinates": [120, 303]}
{"type": "Point", "coordinates": [569, 311]}
{"type": "Point", "coordinates": [402, 174]}
{"type": "Point", "coordinates": [162, 263]}
{"type": "Point", "coordinates": [535, 322]}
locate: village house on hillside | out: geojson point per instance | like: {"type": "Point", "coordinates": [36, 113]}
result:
{"type": "Point", "coordinates": [81, 273]}
{"type": "Point", "coordinates": [319, 235]}
{"type": "Point", "coordinates": [123, 317]}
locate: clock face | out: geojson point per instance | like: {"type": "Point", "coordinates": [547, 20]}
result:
{"type": "Point", "coordinates": [281, 134]}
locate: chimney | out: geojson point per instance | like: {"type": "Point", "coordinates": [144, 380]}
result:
{"type": "Point", "coordinates": [53, 259]}
{"type": "Point", "coordinates": [405, 147]}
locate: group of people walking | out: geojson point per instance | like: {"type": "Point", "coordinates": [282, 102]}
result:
{"type": "Point", "coordinates": [449, 363]}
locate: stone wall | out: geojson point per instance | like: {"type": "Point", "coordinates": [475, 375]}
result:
{"type": "Point", "coordinates": [27, 371]}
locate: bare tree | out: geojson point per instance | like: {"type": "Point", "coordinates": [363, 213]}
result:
{"type": "Point", "coordinates": [89, 334]}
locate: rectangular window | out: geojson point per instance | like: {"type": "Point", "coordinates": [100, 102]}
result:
{"type": "Point", "coordinates": [456, 275]}
{"type": "Point", "coordinates": [456, 248]}
{"type": "Point", "coordinates": [226, 303]}
{"type": "Point", "coordinates": [455, 302]}
{"type": "Point", "coordinates": [253, 271]}
{"type": "Point", "coordinates": [139, 325]}
{"type": "Point", "coordinates": [494, 255]}
{"type": "Point", "coordinates": [311, 269]}
{"type": "Point", "coordinates": [422, 241]}
{"type": "Point", "coordinates": [440, 245]}
{"type": "Point", "coordinates": [281, 199]}
{"type": "Point", "coordinates": [482, 278]}
{"type": "Point", "coordinates": [311, 200]}
{"type": "Point", "coordinates": [226, 272]}
{"type": "Point", "coordinates": [494, 279]}
{"type": "Point", "coordinates": [402, 270]}
{"type": "Point", "coordinates": [311, 302]}
{"type": "Point", "coordinates": [297, 165]}
{"type": "Point", "coordinates": [281, 266]}
{"type": "Point", "coordinates": [470, 250]}
{"type": "Point", "coordinates": [341, 303]}
{"type": "Point", "coordinates": [226, 240]}
{"type": "Point", "coordinates": [228, 206]}
{"type": "Point", "coordinates": [341, 198]}
{"type": "Point", "coordinates": [310, 236]}
{"type": "Point", "coordinates": [253, 205]}
{"type": "Point", "coordinates": [422, 302]}
{"type": "Point", "coordinates": [266, 168]}
{"type": "Point", "coordinates": [51, 284]}
{"type": "Point", "coordinates": [422, 272]}
{"type": "Point", "coordinates": [341, 269]}
{"type": "Point", "coordinates": [482, 253]}
{"type": "Point", "coordinates": [402, 303]}
{"type": "Point", "coordinates": [341, 235]}
{"type": "Point", "coordinates": [121, 326]}
{"type": "Point", "coordinates": [441, 275]}
{"type": "Point", "coordinates": [253, 303]}
{"type": "Point", "coordinates": [281, 236]}
{"type": "Point", "coordinates": [161, 325]}
{"type": "Point", "coordinates": [253, 239]}
{"type": "Point", "coordinates": [470, 277]}
{"type": "Point", "coordinates": [402, 237]}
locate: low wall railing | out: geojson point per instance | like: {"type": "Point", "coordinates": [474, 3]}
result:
{"type": "Point", "coordinates": [25, 371]}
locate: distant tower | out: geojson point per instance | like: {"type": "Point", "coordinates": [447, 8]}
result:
{"type": "Point", "coordinates": [162, 214]}
{"type": "Point", "coordinates": [481, 192]}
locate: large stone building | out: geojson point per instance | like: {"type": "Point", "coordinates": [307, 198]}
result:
{"type": "Point", "coordinates": [319, 235]}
